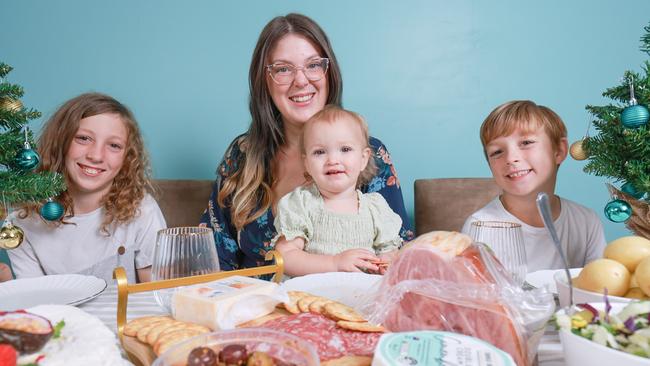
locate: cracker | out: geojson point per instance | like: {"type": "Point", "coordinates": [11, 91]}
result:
{"type": "Point", "coordinates": [349, 361]}
{"type": "Point", "coordinates": [317, 307]}
{"type": "Point", "coordinates": [292, 305]}
{"type": "Point", "coordinates": [169, 339]}
{"type": "Point", "coordinates": [155, 332]}
{"type": "Point", "coordinates": [305, 301]}
{"type": "Point", "coordinates": [338, 311]}
{"type": "Point", "coordinates": [131, 328]}
{"type": "Point", "coordinates": [360, 326]}
{"type": "Point", "coordinates": [142, 332]}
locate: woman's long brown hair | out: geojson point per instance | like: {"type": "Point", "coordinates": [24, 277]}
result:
{"type": "Point", "coordinates": [248, 191]}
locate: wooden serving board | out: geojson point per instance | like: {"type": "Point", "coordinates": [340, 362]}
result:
{"type": "Point", "coordinates": [141, 354]}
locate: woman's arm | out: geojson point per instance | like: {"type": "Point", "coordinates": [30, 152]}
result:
{"type": "Point", "coordinates": [387, 184]}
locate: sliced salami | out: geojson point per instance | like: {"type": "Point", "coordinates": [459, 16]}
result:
{"type": "Point", "coordinates": [329, 340]}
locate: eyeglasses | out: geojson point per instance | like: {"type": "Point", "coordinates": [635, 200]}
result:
{"type": "Point", "coordinates": [284, 74]}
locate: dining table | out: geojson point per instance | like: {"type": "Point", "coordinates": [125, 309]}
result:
{"type": "Point", "coordinates": [104, 306]}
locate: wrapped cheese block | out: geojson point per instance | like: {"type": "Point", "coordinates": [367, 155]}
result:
{"type": "Point", "coordinates": [444, 281]}
{"type": "Point", "coordinates": [226, 303]}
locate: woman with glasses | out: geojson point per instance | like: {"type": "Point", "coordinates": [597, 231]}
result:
{"type": "Point", "coordinates": [293, 75]}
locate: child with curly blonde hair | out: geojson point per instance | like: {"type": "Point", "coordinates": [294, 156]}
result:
{"type": "Point", "coordinates": [110, 219]}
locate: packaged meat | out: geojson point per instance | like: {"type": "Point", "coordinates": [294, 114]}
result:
{"type": "Point", "coordinates": [444, 281]}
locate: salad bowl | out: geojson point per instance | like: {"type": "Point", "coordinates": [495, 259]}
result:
{"type": "Point", "coordinates": [579, 350]}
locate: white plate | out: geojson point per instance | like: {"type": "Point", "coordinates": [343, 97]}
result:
{"type": "Point", "coordinates": [347, 287]}
{"type": "Point", "coordinates": [68, 289]}
{"type": "Point", "coordinates": [545, 278]}
{"type": "Point", "coordinates": [84, 340]}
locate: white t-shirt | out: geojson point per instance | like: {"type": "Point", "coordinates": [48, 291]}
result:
{"type": "Point", "coordinates": [80, 247]}
{"type": "Point", "coordinates": [579, 228]}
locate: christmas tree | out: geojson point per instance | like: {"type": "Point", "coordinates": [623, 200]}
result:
{"type": "Point", "coordinates": [21, 182]}
{"type": "Point", "coordinates": [621, 149]}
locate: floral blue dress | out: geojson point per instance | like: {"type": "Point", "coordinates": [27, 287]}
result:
{"type": "Point", "coordinates": [247, 248]}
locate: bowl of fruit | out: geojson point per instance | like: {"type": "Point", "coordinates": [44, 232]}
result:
{"type": "Point", "coordinates": [250, 346]}
{"type": "Point", "coordinates": [623, 274]}
{"type": "Point", "coordinates": [606, 333]}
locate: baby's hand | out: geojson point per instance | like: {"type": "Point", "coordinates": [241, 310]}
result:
{"type": "Point", "coordinates": [356, 260]}
{"type": "Point", "coordinates": [385, 260]}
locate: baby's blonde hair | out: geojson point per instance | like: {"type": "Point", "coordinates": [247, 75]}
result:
{"type": "Point", "coordinates": [332, 113]}
{"type": "Point", "coordinates": [524, 115]}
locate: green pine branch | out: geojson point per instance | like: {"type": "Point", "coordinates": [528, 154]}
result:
{"type": "Point", "coordinates": [16, 187]}
{"type": "Point", "coordinates": [619, 153]}
{"type": "Point", "coordinates": [19, 187]}
{"type": "Point", "coordinates": [4, 69]}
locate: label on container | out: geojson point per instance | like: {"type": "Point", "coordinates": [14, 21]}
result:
{"type": "Point", "coordinates": [433, 348]}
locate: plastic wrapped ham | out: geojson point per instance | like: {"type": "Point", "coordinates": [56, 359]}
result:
{"type": "Point", "coordinates": [443, 281]}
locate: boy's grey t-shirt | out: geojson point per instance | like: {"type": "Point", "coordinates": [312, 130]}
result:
{"type": "Point", "coordinates": [80, 247]}
{"type": "Point", "coordinates": [580, 230]}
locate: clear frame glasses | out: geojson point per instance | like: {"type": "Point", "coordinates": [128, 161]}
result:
{"type": "Point", "coordinates": [283, 73]}
{"type": "Point", "coordinates": [506, 240]}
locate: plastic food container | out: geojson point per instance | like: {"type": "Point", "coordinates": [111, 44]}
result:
{"type": "Point", "coordinates": [579, 296]}
{"type": "Point", "coordinates": [281, 346]}
{"type": "Point", "coordinates": [436, 348]}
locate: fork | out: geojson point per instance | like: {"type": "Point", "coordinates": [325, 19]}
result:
{"type": "Point", "coordinates": [544, 207]}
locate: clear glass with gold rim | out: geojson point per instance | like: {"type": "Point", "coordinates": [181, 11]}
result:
{"type": "Point", "coordinates": [507, 242]}
{"type": "Point", "coordinates": [182, 252]}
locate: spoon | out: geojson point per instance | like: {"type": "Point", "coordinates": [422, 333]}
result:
{"type": "Point", "coordinates": [544, 207]}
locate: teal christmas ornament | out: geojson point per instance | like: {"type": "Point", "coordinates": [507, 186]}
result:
{"type": "Point", "coordinates": [634, 115]}
{"type": "Point", "coordinates": [27, 159]}
{"type": "Point", "coordinates": [618, 210]}
{"type": "Point", "coordinates": [52, 210]}
{"type": "Point", "coordinates": [632, 191]}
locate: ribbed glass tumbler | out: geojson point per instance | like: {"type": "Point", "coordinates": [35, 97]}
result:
{"type": "Point", "coordinates": [182, 252]}
{"type": "Point", "coordinates": [507, 242]}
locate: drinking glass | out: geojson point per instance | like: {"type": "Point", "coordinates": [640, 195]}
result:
{"type": "Point", "coordinates": [182, 252]}
{"type": "Point", "coordinates": [507, 242]}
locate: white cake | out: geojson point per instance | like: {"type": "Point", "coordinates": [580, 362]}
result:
{"type": "Point", "coordinates": [84, 340]}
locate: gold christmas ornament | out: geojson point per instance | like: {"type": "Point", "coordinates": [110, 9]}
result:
{"type": "Point", "coordinates": [11, 236]}
{"type": "Point", "coordinates": [577, 151]}
{"type": "Point", "coordinates": [10, 104]}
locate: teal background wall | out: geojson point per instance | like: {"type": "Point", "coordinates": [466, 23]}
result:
{"type": "Point", "coordinates": [424, 73]}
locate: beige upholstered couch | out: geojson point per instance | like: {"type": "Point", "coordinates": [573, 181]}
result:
{"type": "Point", "coordinates": [445, 203]}
{"type": "Point", "coordinates": [440, 204]}
{"type": "Point", "coordinates": [183, 201]}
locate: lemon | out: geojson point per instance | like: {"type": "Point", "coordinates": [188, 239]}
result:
{"type": "Point", "coordinates": [628, 250]}
{"type": "Point", "coordinates": [604, 274]}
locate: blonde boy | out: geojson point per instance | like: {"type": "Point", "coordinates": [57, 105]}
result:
{"type": "Point", "coordinates": [524, 144]}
